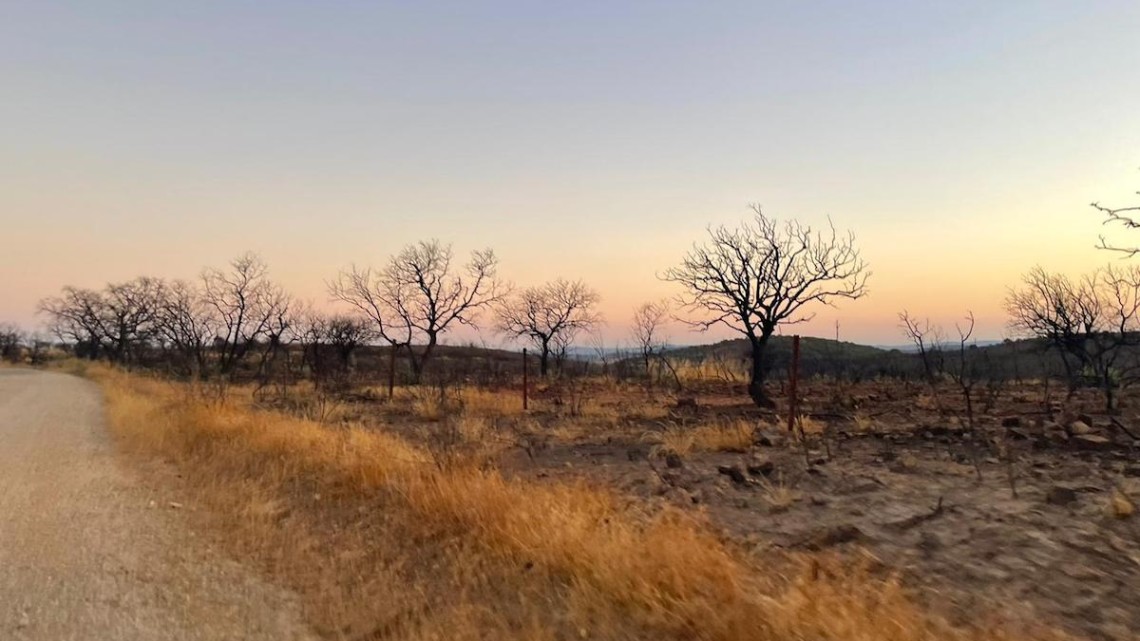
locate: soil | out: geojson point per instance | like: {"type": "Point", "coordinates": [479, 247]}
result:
{"type": "Point", "coordinates": [1012, 517]}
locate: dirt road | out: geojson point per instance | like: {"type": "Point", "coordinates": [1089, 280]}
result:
{"type": "Point", "coordinates": [88, 552]}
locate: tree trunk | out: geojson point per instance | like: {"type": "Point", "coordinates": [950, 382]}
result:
{"type": "Point", "coordinates": [544, 359]}
{"type": "Point", "coordinates": [756, 375]}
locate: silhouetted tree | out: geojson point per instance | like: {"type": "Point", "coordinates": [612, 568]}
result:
{"type": "Point", "coordinates": [550, 316]}
{"type": "Point", "coordinates": [186, 326]}
{"type": "Point", "coordinates": [419, 296]}
{"type": "Point", "coordinates": [760, 276]}
{"type": "Point", "coordinates": [1093, 322]}
{"type": "Point", "coordinates": [11, 342]}
{"type": "Point", "coordinates": [1125, 216]}
{"type": "Point", "coordinates": [245, 303]}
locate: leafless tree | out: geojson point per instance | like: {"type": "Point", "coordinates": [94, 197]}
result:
{"type": "Point", "coordinates": [1124, 216]}
{"type": "Point", "coordinates": [11, 342]}
{"type": "Point", "coordinates": [186, 326]}
{"type": "Point", "coordinates": [927, 339]}
{"type": "Point", "coordinates": [129, 312]}
{"type": "Point", "coordinates": [117, 322]}
{"type": "Point", "coordinates": [76, 317]}
{"type": "Point", "coordinates": [649, 323]}
{"type": "Point", "coordinates": [964, 369]}
{"type": "Point", "coordinates": [762, 275]}
{"type": "Point", "coordinates": [245, 303]}
{"type": "Point", "coordinates": [419, 296]}
{"type": "Point", "coordinates": [1093, 322]}
{"type": "Point", "coordinates": [550, 316]}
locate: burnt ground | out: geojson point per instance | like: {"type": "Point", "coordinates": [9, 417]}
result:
{"type": "Point", "coordinates": [1012, 517]}
{"type": "Point", "coordinates": [922, 495]}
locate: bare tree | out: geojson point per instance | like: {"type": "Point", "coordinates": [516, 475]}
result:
{"type": "Point", "coordinates": [129, 312]}
{"type": "Point", "coordinates": [649, 322]}
{"type": "Point", "coordinates": [117, 322]}
{"type": "Point", "coordinates": [185, 326]}
{"type": "Point", "coordinates": [1124, 216]}
{"type": "Point", "coordinates": [76, 318]}
{"type": "Point", "coordinates": [1093, 323]}
{"type": "Point", "coordinates": [245, 303]}
{"type": "Point", "coordinates": [11, 342]}
{"type": "Point", "coordinates": [762, 275]}
{"type": "Point", "coordinates": [964, 369]}
{"type": "Point", "coordinates": [550, 316]}
{"type": "Point", "coordinates": [420, 295]}
{"type": "Point", "coordinates": [927, 339]}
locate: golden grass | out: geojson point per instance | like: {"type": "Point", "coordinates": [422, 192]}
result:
{"type": "Point", "coordinates": [734, 435]}
{"type": "Point", "coordinates": [381, 543]}
{"type": "Point", "coordinates": [1120, 505]}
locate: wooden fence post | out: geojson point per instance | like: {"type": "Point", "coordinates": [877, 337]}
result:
{"type": "Point", "coordinates": [794, 378]}
{"type": "Point", "coordinates": [525, 385]}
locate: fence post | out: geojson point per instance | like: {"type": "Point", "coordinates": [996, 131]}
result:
{"type": "Point", "coordinates": [794, 376]}
{"type": "Point", "coordinates": [525, 382]}
{"type": "Point", "coordinates": [391, 371]}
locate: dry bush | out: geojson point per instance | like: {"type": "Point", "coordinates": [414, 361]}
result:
{"type": "Point", "coordinates": [808, 425]}
{"type": "Point", "coordinates": [779, 496]}
{"type": "Point", "coordinates": [864, 424]}
{"type": "Point", "coordinates": [1120, 505]}
{"type": "Point", "coordinates": [381, 543]}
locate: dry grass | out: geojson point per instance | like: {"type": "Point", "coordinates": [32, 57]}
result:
{"type": "Point", "coordinates": [779, 496]}
{"type": "Point", "coordinates": [491, 403]}
{"type": "Point", "coordinates": [734, 435]}
{"type": "Point", "coordinates": [381, 543]}
{"type": "Point", "coordinates": [1120, 505]}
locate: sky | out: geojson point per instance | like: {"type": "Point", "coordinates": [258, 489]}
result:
{"type": "Point", "coordinates": [961, 141]}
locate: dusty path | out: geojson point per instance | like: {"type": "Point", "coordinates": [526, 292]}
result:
{"type": "Point", "coordinates": [85, 554]}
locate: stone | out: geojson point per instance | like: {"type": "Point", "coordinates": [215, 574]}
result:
{"type": "Point", "coordinates": [1092, 442]}
{"type": "Point", "coordinates": [761, 468]}
{"type": "Point", "coordinates": [1011, 421]}
{"type": "Point", "coordinates": [1061, 495]}
{"type": "Point", "coordinates": [1077, 428]}
{"type": "Point", "coordinates": [733, 472]}
{"type": "Point", "coordinates": [673, 461]}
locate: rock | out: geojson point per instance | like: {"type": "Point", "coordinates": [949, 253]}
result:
{"type": "Point", "coordinates": [815, 471]}
{"type": "Point", "coordinates": [673, 461]}
{"type": "Point", "coordinates": [819, 461]}
{"type": "Point", "coordinates": [733, 472]}
{"type": "Point", "coordinates": [175, 505]}
{"type": "Point", "coordinates": [761, 468]}
{"type": "Point", "coordinates": [1092, 442]}
{"type": "Point", "coordinates": [635, 454]}
{"type": "Point", "coordinates": [1077, 428]}
{"type": "Point", "coordinates": [1011, 421]}
{"type": "Point", "coordinates": [764, 441]}
{"type": "Point", "coordinates": [929, 542]}
{"type": "Point", "coordinates": [1085, 418]}
{"type": "Point", "coordinates": [1061, 495]}
{"type": "Point", "coordinates": [818, 500]}
{"type": "Point", "coordinates": [1018, 434]}
{"type": "Point", "coordinates": [833, 535]}
{"type": "Point", "coordinates": [1133, 471]}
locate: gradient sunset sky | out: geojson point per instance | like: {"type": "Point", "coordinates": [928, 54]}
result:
{"type": "Point", "coordinates": [961, 141]}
